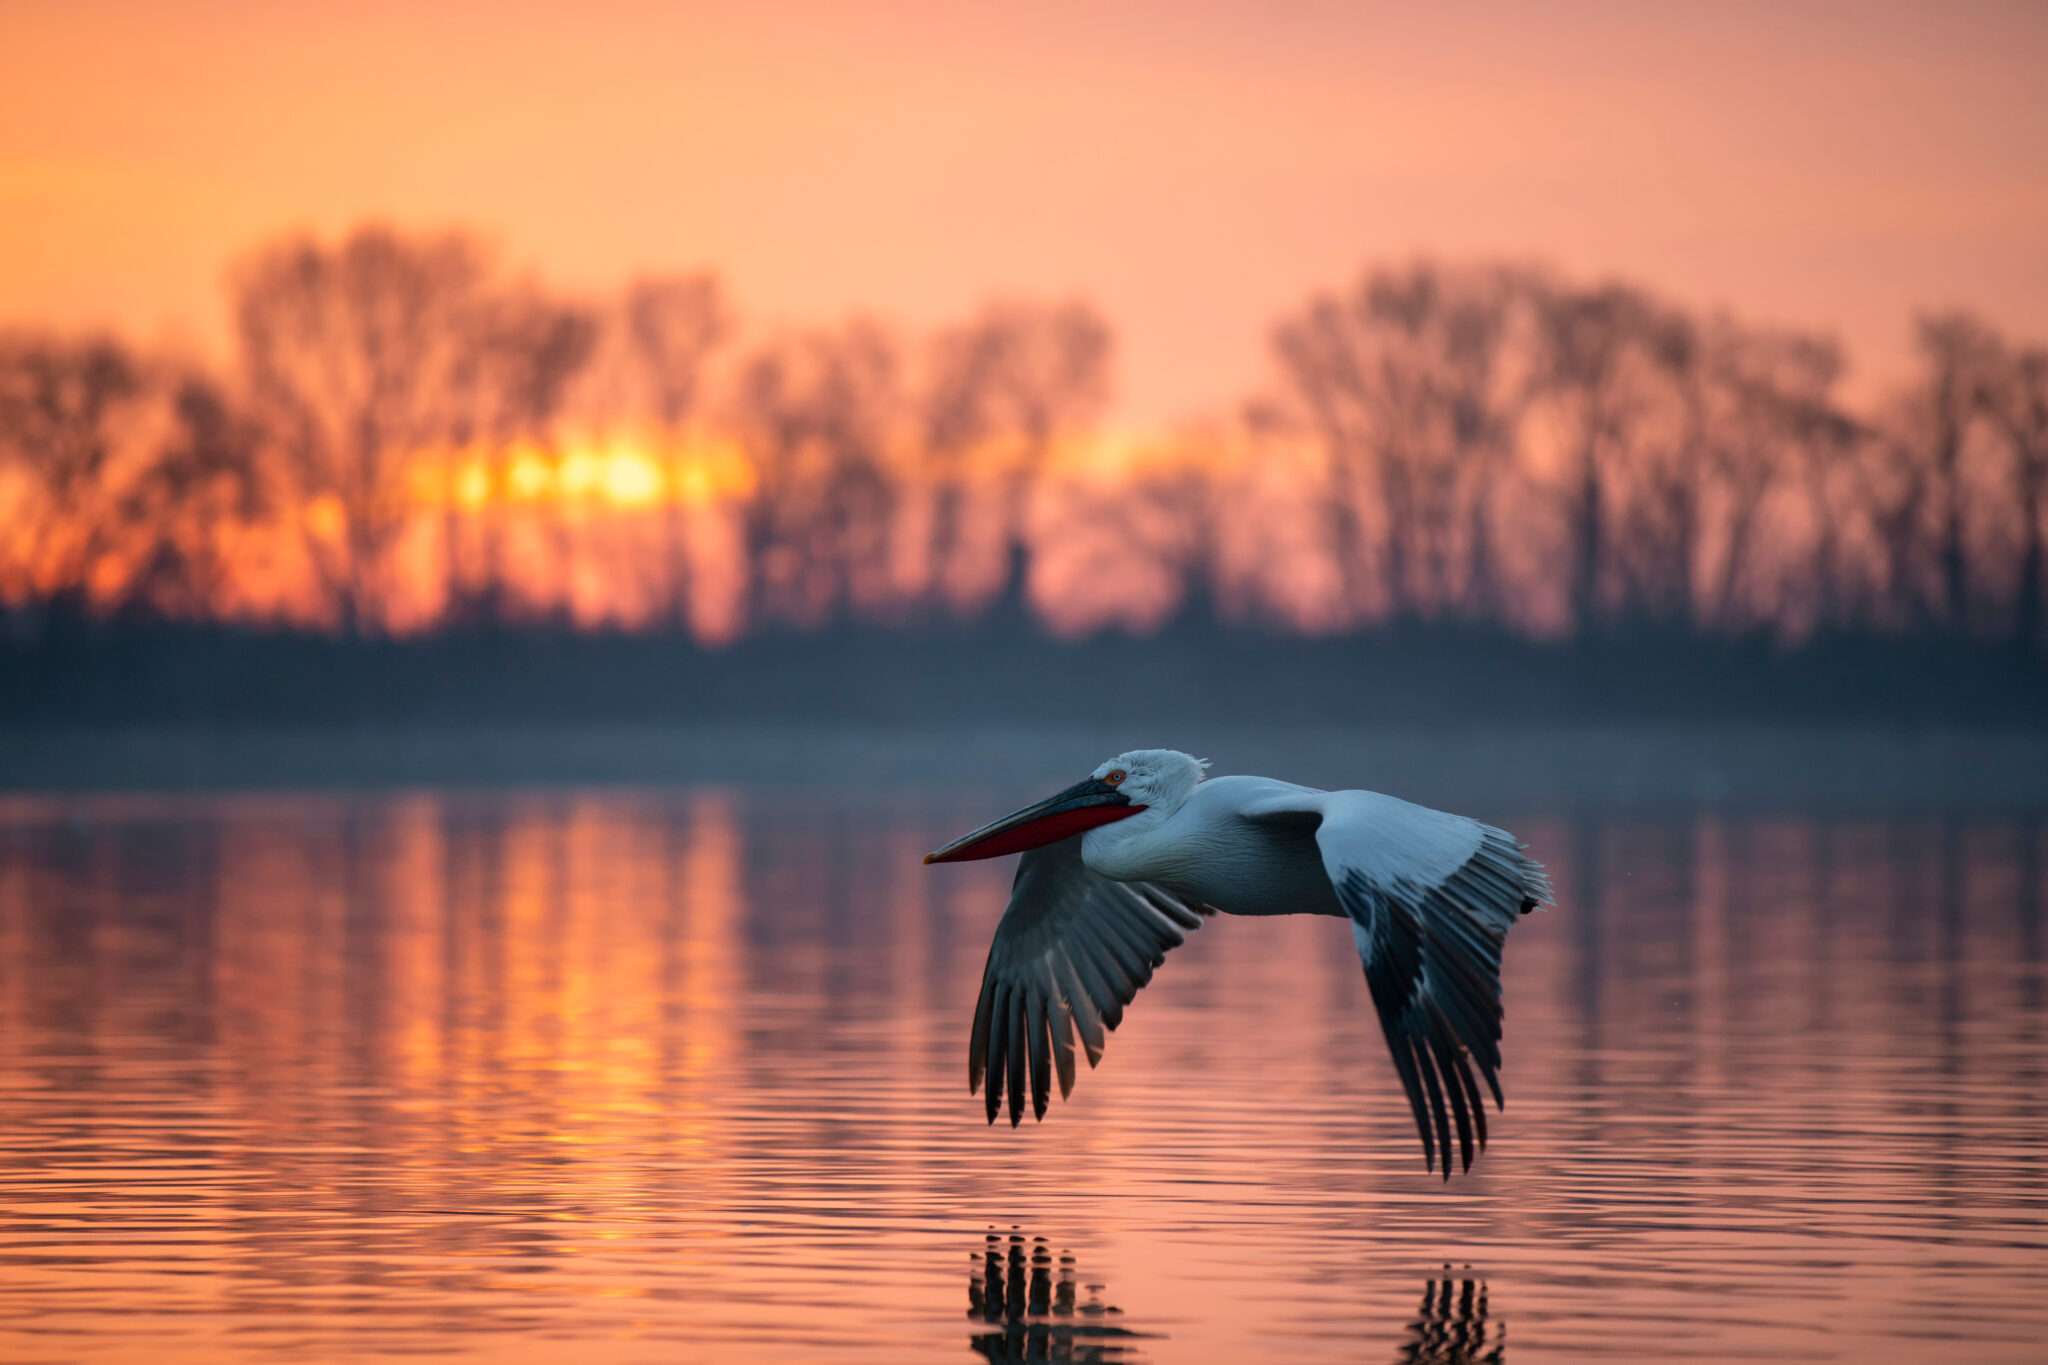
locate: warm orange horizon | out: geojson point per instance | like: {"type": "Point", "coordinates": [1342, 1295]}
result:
{"type": "Point", "coordinates": [1194, 170]}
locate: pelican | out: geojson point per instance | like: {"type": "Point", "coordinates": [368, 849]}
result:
{"type": "Point", "coordinates": [1120, 867]}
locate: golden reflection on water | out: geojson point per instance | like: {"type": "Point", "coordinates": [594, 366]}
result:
{"type": "Point", "coordinates": [629, 1076]}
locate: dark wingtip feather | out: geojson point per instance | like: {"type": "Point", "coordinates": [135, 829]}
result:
{"type": "Point", "coordinates": [1404, 1067]}
{"type": "Point", "coordinates": [1018, 1055]}
{"type": "Point", "coordinates": [1453, 1073]}
{"type": "Point", "coordinates": [977, 1041]}
{"type": "Point", "coordinates": [1041, 1055]}
{"type": "Point", "coordinates": [992, 1097]}
{"type": "Point", "coordinates": [1425, 1065]}
{"type": "Point", "coordinates": [1463, 1076]}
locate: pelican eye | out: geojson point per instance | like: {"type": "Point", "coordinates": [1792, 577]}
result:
{"type": "Point", "coordinates": [1115, 777]}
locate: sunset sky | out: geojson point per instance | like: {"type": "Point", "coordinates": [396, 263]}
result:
{"type": "Point", "coordinates": [1194, 168]}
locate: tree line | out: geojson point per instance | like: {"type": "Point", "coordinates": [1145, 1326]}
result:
{"type": "Point", "coordinates": [409, 437]}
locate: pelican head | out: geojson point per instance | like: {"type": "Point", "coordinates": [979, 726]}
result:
{"type": "Point", "coordinates": [1138, 780]}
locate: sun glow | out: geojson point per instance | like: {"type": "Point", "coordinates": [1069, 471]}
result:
{"type": "Point", "coordinates": [622, 475]}
{"type": "Point", "coordinates": [712, 471]}
{"type": "Point", "coordinates": [628, 478]}
{"type": "Point", "coordinates": [325, 517]}
{"type": "Point", "coordinates": [528, 477]}
{"type": "Point", "coordinates": [473, 484]}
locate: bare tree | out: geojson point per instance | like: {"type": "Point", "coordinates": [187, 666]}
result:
{"type": "Point", "coordinates": [2017, 400]}
{"type": "Point", "coordinates": [1920, 475]}
{"type": "Point", "coordinates": [1960, 353]}
{"type": "Point", "coordinates": [1661, 473]}
{"type": "Point", "coordinates": [1170, 515]}
{"type": "Point", "coordinates": [1726, 413]}
{"type": "Point", "coordinates": [358, 359]}
{"type": "Point", "coordinates": [133, 470]}
{"type": "Point", "coordinates": [204, 478]}
{"type": "Point", "coordinates": [527, 348]}
{"type": "Point", "coordinates": [1773, 416]}
{"type": "Point", "coordinates": [1894, 483]}
{"type": "Point", "coordinates": [1409, 387]}
{"type": "Point", "coordinates": [1832, 449]}
{"type": "Point", "coordinates": [1005, 387]}
{"type": "Point", "coordinates": [819, 413]}
{"type": "Point", "coordinates": [1328, 379]}
{"type": "Point", "coordinates": [61, 407]}
{"type": "Point", "coordinates": [1607, 360]}
{"type": "Point", "coordinates": [673, 325]}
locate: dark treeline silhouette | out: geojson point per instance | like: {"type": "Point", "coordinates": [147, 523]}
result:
{"type": "Point", "coordinates": [424, 482]}
{"type": "Point", "coordinates": [1500, 447]}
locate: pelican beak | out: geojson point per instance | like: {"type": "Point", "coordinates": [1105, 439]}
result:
{"type": "Point", "coordinates": [1080, 807]}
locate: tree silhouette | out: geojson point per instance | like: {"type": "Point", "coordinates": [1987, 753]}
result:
{"type": "Point", "coordinates": [1005, 387]}
{"type": "Point", "coordinates": [820, 413]}
{"type": "Point", "coordinates": [127, 474]}
{"type": "Point", "coordinates": [529, 347]}
{"type": "Point", "coordinates": [2018, 401]}
{"type": "Point", "coordinates": [1960, 354]}
{"type": "Point", "coordinates": [360, 359]}
{"type": "Point", "coordinates": [205, 477]}
{"type": "Point", "coordinates": [61, 409]}
{"type": "Point", "coordinates": [1408, 386]}
{"type": "Point", "coordinates": [411, 440]}
{"type": "Point", "coordinates": [1606, 363]}
{"type": "Point", "coordinates": [673, 325]}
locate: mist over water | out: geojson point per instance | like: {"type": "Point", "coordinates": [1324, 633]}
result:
{"type": "Point", "coordinates": [662, 1074]}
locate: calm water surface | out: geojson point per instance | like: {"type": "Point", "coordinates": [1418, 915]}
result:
{"type": "Point", "coordinates": [667, 1076]}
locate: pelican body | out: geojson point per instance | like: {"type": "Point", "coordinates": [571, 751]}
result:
{"type": "Point", "coordinates": [1119, 868]}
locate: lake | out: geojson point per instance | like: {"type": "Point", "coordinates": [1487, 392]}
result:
{"type": "Point", "coordinates": [666, 1074]}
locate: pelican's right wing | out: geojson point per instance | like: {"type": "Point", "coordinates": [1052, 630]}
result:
{"type": "Point", "coordinates": [1072, 944]}
{"type": "Point", "coordinates": [1431, 896]}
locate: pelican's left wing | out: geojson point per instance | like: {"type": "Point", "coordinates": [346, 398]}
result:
{"type": "Point", "coordinates": [1072, 945]}
{"type": "Point", "coordinates": [1431, 896]}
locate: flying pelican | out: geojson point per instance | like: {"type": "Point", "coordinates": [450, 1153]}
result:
{"type": "Point", "coordinates": [1120, 867]}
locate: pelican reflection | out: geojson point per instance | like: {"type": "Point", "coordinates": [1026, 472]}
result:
{"type": "Point", "coordinates": [1452, 1327]}
{"type": "Point", "coordinates": [1032, 1307]}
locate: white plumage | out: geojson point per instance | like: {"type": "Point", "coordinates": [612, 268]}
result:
{"type": "Point", "coordinates": [1119, 868]}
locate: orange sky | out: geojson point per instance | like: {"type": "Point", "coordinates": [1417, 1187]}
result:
{"type": "Point", "coordinates": [1193, 167]}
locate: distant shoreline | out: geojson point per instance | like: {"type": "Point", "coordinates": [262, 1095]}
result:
{"type": "Point", "coordinates": [1003, 670]}
{"type": "Point", "coordinates": [1480, 767]}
